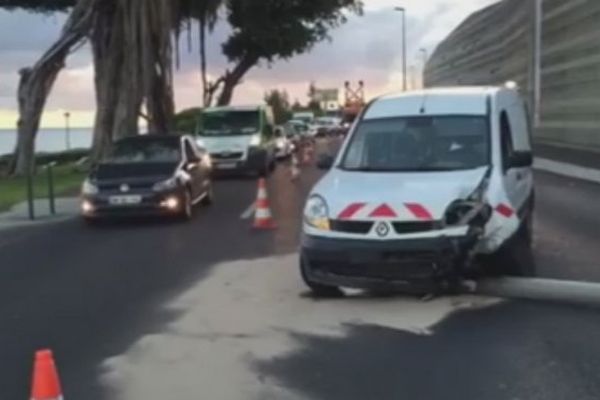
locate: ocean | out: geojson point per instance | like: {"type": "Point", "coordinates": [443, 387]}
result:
{"type": "Point", "coordinates": [49, 140]}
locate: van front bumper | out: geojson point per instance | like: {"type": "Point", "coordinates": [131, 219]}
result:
{"type": "Point", "coordinates": [415, 264]}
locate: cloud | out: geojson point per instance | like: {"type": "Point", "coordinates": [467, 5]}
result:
{"type": "Point", "coordinates": [367, 48]}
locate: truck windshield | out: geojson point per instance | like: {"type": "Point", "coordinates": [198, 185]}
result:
{"type": "Point", "coordinates": [230, 123]}
{"type": "Point", "coordinates": [444, 143]}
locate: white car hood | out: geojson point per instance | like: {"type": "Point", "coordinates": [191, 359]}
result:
{"type": "Point", "coordinates": [396, 196]}
{"type": "Point", "coordinates": [222, 144]}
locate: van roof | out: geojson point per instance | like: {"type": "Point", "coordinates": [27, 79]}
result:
{"type": "Point", "coordinates": [463, 100]}
{"type": "Point", "coordinates": [234, 108]}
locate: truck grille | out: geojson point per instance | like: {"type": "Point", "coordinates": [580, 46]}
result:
{"type": "Point", "coordinates": [358, 227]}
{"type": "Point", "coordinates": [416, 227]}
{"type": "Point", "coordinates": [226, 156]}
{"type": "Point", "coordinates": [364, 227]}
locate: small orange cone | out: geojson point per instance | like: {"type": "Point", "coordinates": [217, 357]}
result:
{"type": "Point", "coordinates": [45, 383]}
{"type": "Point", "coordinates": [263, 218]}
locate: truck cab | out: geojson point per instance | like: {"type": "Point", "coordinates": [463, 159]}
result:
{"type": "Point", "coordinates": [239, 139]}
{"type": "Point", "coordinates": [425, 182]}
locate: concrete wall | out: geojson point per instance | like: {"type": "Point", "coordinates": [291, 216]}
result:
{"type": "Point", "coordinates": [496, 44]}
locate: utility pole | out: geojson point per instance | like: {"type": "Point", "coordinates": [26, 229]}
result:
{"type": "Point", "coordinates": [425, 54]}
{"type": "Point", "coordinates": [537, 63]}
{"type": "Point", "coordinates": [404, 60]}
{"type": "Point", "coordinates": [67, 130]}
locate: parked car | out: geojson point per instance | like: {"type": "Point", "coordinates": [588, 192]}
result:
{"type": "Point", "coordinates": [284, 145]}
{"type": "Point", "coordinates": [424, 183]}
{"type": "Point", "coordinates": [149, 175]}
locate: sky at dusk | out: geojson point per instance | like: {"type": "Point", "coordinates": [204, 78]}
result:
{"type": "Point", "coordinates": [367, 48]}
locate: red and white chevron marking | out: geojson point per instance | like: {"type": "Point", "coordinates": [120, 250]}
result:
{"type": "Point", "coordinates": [365, 211]}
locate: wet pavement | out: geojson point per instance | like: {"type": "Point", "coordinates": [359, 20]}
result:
{"type": "Point", "coordinates": [213, 309]}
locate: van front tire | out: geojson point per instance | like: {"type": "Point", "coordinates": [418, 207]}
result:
{"type": "Point", "coordinates": [317, 289]}
{"type": "Point", "coordinates": [516, 257]}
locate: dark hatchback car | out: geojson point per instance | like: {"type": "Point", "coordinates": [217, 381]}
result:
{"type": "Point", "coordinates": [149, 175]}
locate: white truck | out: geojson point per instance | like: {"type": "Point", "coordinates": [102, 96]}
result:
{"type": "Point", "coordinates": [424, 184]}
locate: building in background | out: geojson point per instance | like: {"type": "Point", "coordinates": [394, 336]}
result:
{"type": "Point", "coordinates": [502, 42]}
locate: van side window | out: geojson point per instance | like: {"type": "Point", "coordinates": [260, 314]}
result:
{"type": "Point", "coordinates": [506, 139]}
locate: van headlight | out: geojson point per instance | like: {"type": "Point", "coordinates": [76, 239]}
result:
{"type": "Point", "coordinates": [88, 188]}
{"type": "Point", "coordinates": [465, 212]}
{"type": "Point", "coordinates": [168, 184]}
{"type": "Point", "coordinates": [316, 213]}
{"type": "Point", "coordinates": [255, 140]}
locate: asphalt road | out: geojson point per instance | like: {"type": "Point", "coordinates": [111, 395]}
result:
{"type": "Point", "coordinates": [212, 309]}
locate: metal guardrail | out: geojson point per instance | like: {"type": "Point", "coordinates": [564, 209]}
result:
{"type": "Point", "coordinates": [51, 193]}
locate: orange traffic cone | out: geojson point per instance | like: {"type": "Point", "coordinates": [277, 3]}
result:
{"type": "Point", "coordinates": [263, 218]}
{"type": "Point", "coordinates": [45, 383]}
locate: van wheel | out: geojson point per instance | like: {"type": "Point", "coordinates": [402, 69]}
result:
{"type": "Point", "coordinates": [318, 290]}
{"type": "Point", "coordinates": [516, 258]}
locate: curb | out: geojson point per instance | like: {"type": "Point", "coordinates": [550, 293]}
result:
{"type": "Point", "coordinates": [550, 290]}
{"type": "Point", "coordinates": [568, 170]}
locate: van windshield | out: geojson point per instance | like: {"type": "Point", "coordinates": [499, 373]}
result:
{"type": "Point", "coordinates": [412, 144]}
{"type": "Point", "coordinates": [230, 123]}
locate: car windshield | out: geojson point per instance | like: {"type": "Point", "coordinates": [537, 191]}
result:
{"type": "Point", "coordinates": [408, 144]}
{"type": "Point", "coordinates": [145, 151]}
{"type": "Point", "coordinates": [230, 123]}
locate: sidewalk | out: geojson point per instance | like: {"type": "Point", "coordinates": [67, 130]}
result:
{"type": "Point", "coordinates": [18, 216]}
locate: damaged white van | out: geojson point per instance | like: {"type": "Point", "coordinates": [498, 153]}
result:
{"type": "Point", "coordinates": [425, 183]}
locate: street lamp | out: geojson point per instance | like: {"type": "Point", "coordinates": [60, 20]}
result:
{"type": "Point", "coordinates": [425, 54]}
{"type": "Point", "coordinates": [67, 131]}
{"type": "Point", "coordinates": [404, 77]}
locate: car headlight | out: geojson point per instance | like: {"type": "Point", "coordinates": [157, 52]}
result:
{"type": "Point", "coordinates": [255, 140]}
{"type": "Point", "coordinates": [89, 188]}
{"type": "Point", "coordinates": [316, 213]}
{"type": "Point", "coordinates": [169, 184]}
{"type": "Point", "coordinates": [465, 212]}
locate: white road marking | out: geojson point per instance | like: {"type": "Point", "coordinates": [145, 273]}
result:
{"type": "Point", "coordinates": [249, 312]}
{"type": "Point", "coordinates": [249, 211]}
{"type": "Point", "coordinates": [569, 170]}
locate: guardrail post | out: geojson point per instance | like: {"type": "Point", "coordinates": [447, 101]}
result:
{"type": "Point", "coordinates": [30, 206]}
{"type": "Point", "coordinates": [51, 199]}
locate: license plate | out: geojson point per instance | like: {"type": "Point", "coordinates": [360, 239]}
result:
{"type": "Point", "coordinates": [125, 200]}
{"type": "Point", "coordinates": [226, 165]}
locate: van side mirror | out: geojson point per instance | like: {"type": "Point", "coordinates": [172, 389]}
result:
{"type": "Point", "coordinates": [325, 162]}
{"type": "Point", "coordinates": [521, 159]}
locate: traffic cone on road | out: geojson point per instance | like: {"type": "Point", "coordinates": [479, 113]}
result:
{"type": "Point", "coordinates": [45, 382]}
{"type": "Point", "coordinates": [263, 218]}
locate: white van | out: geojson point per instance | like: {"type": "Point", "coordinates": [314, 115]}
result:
{"type": "Point", "coordinates": [425, 182]}
{"type": "Point", "coordinates": [239, 139]}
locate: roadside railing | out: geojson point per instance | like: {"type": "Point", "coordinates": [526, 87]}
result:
{"type": "Point", "coordinates": [49, 168]}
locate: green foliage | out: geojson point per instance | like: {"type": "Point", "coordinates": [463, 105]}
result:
{"type": "Point", "coordinates": [38, 5]}
{"type": "Point", "coordinates": [279, 101]}
{"type": "Point", "coordinates": [186, 120]}
{"type": "Point", "coordinates": [67, 181]}
{"type": "Point", "coordinates": [270, 29]}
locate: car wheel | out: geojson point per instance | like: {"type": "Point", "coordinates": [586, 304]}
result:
{"type": "Point", "coordinates": [210, 196]}
{"type": "Point", "coordinates": [516, 258]}
{"type": "Point", "coordinates": [187, 210]}
{"type": "Point", "coordinates": [318, 290]}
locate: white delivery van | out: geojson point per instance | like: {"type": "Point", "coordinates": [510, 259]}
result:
{"type": "Point", "coordinates": [425, 182]}
{"type": "Point", "coordinates": [239, 139]}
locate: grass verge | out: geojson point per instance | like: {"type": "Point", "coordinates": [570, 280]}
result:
{"type": "Point", "coordinates": [67, 181]}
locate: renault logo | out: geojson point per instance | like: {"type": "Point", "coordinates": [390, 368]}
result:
{"type": "Point", "coordinates": [382, 229]}
{"type": "Point", "coordinates": [124, 188]}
